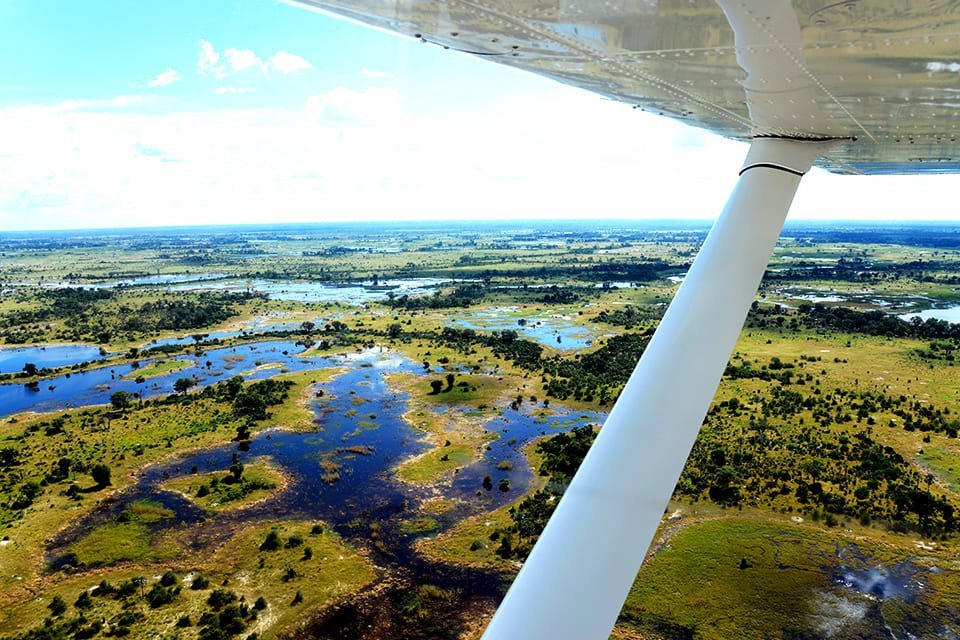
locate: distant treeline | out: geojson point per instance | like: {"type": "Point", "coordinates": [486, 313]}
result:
{"type": "Point", "coordinates": [100, 315]}
{"type": "Point", "coordinates": [858, 269]}
{"type": "Point", "coordinates": [941, 236]}
{"type": "Point", "coordinates": [843, 320]}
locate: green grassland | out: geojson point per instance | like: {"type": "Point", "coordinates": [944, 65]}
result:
{"type": "Point", "coordinates": [126, 540]}
{"type": "Point", "coordinates": [158, 368]}
{"type": "Point", "coordinates": [711, 578]}
{"type": "Point", "coordinates": [60, 451]}
{"type": "Point", "coordinates": [309, 560]}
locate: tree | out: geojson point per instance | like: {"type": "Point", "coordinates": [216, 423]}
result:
{"type": "Point", "coordinates": [251, 406]}
{"type": "Point", "coordinates": [57, 606]}
{"type": "Point", "coordinates": [182, 384]}
{"type": "Point", "coordinates": [120, 400]}
{"type": "Point", "coordinates": [237, 470]}
{"type": "Point", "coordinates": [436, 387]}
{"type": "Point", "coordinates": [232, 387]}
{"type": "Point", "coordinates": [394, 330]}
{"type": "Point", "coordinates": [100, 474]}
{"type": "Point", "coordinates": [63, 467]}
{"type": "Point", "coordinates": [30, 369]}
{"type": "Point", "coordinates": [450, 379]}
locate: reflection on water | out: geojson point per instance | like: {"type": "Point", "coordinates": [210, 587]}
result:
{"type": "Point", "coordinates": [360, 429]}
{"type": "Point", "coordinates": [74, 389]}
{"type": "Point", "coordinates": [881, 582]}
{"type": "Point", "coordinates": [354, 294]}
{"type": "Point", "coordinates": [950, 314]}
{"type": "Point", "coordinates": [549, 329]}
{"type": "Point", "coordinates": [13, 359]}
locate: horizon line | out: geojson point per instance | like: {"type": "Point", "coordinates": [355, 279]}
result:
{"type": "Point", "coordinates": [491, 222]}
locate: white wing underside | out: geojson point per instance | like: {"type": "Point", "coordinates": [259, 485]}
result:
{"type": "Point", "coordinates": [884, 75]}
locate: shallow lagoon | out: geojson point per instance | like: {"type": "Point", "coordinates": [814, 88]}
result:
{"type": "Point", "coordinates": [13, 359]}
{"type": "Point", "coordinates": [354, 294]}
{"type": "Point", "coordinates": [95, 386]}
{"type": "Point", "coordinates": [549, 329]}
{"type": "Point", "coordinates": [360, 427]}
{"type": "Point", "coordinates": [950, 314]}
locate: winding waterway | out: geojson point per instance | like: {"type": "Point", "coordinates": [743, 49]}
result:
{"type": "Point", "coordinates": [359, 426]}
{"type": "Point", "coordinates": [254, 361]}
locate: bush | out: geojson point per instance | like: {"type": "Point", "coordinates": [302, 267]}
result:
{"type": "Point", "coordinates": [272, 542]}
{"type": "Point", "coordinates": [100, 474]}
{"type": "Point", "coordinates": [199, 582]}
{"type": "Point", "coordinates": [160, 595]}
{"type": "Point", "coordinates": [220, 598]}
{"type": "Point", "coordinates": [57, 606]}
{"type": "Point", "coordinates": [294, 541]}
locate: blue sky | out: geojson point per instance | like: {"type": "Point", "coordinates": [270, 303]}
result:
{"type": "Point", "coordinates": [217, 111]}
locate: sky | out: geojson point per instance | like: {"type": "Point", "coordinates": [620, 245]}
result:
{"type": "Point", "coordinates": [178, 112]}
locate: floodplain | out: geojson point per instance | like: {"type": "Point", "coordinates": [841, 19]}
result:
{"type": "Point", "coordinates": [360, 430]}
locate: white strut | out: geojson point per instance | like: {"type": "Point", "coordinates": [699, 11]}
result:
{"type": "Point", "coordinates": [579, 573]}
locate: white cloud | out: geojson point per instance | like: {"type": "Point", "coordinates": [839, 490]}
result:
{"type": "Point", "coordinates": [165, 78]}
{"type": "Point", "coordinates": [288, 63]}
{"type": "Point", "coordinates": [241, 59]}
{"type": "Point", "coordinates": [373, 106]}
{"type": "Point", "coordinates": [116, 103]}
{"type": "Point", "coordinates": [354, 155]}
{"type": "Point", "coordinates": [232, 89]}
{"type": "Point", "coordinates": [375, 74]}
{"type": "Point", "coordinates": [208, 61]}
{"type": "Point", "coordinates": [232, 62]}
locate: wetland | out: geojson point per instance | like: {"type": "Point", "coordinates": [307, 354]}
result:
{"type": "Point", "coordinates": [359, 431]}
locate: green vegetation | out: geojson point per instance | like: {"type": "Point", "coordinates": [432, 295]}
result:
{"type": "Point", "coordinates": [234, 488]}
{"type": "Point", "coordinates": [456, 436]}
{"type": "Point", "coordinates": [252, 597]}
{"type": "Point", "coordinates": [126, 538]}
{"type": "Point", "coordinates": [157, 368]}
{"type": "Point", "coordinates": [102, 316]}
{"type": "Point", "coordinates": [695, 586]}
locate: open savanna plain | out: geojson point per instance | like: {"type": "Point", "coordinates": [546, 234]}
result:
{"type": "Point", "coordinates": [360, 431]}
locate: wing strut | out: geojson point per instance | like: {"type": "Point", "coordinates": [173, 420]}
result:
{"type": "Point", "coordinates": [580, 571]}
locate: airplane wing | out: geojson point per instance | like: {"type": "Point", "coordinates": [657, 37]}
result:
{"type": "Point", "coordinates": [882, 74]}
{"type": "Point", "coordinates": [855, 86]}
